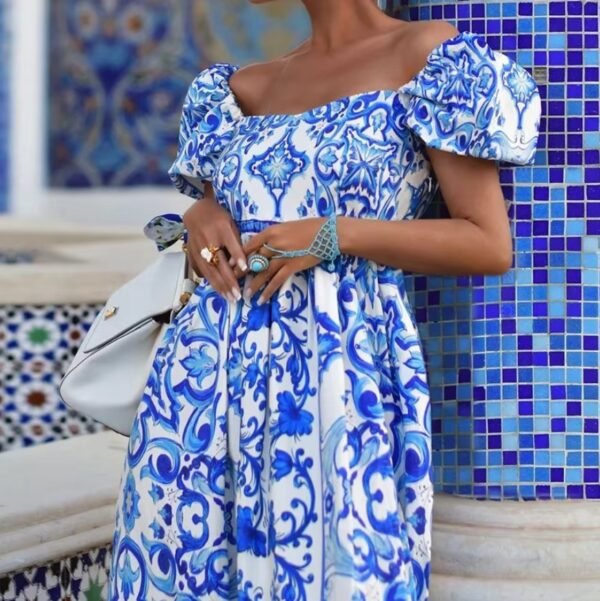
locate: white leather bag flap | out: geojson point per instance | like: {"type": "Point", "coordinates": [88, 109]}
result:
{"type": "Point", "coordinates": [147, 295]}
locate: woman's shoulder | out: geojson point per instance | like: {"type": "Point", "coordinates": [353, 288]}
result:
{"type": "Point", "coordinates": [416, 41]}
{"type": "Point", "coordinates": [252, 81]}
{"type": "Point", "coordinates": [249, 83]}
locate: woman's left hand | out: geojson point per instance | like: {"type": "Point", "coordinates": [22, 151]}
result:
{"type": "Point", "coordinates": [291, 235]}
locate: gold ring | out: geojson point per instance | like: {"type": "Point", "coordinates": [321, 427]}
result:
{"type": "Point", "coordinates": [210, 254]}
{"type": "Point", "coordinates": [215, 255]}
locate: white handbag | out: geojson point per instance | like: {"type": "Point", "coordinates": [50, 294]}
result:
{"type": "Point", "coordinates": [107, 377]}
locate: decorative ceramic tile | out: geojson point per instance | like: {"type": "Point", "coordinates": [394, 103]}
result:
{"type": "Point", "coordinates": [38, 345]}
{"type": "Point", "coordinates": [513, 360]}
{"type": "Point", "coordinates": [80, 578]}
{"type": "Point", "coordinates": [119, 71]}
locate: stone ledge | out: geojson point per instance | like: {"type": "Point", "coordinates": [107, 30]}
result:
{"type": "Point", "coordinates": [507, 550]}
{"type": "Point", "coordinates": [61, 499]}
{"type": "Point", "coordinates": [479, 552]}
{"type": "Point", "coordinates": [21, 234]}
{"type": "Point", "coordinates": [73, 265]}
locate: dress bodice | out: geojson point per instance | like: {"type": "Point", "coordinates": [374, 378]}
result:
{"type": "Point", "coordinates": [353, 156]}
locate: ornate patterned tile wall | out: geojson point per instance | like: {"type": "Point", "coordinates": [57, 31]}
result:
{"type": "Point", "coordinates": [119, 70]}
{"type": "Point", "coordinates": [514, 359]}
{"type": "Point", "coordinates": [38, 344]}
{"type": "Point", "coordinates": [80, 578]}
{"type": "Point", "coordinates": [4, 120]}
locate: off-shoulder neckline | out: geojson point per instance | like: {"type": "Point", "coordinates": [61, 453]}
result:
{"type": "Point", "coordinates": [347, 98]}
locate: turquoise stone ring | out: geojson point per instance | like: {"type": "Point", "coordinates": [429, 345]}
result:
{"type": "Point", "coordinates": [258, 263]}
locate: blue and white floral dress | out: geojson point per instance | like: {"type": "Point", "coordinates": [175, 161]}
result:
{"type": "Point", "coordinates": [283, 452]}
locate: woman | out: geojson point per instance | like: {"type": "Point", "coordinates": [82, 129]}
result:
{"type": "Point", "coordinates": [282, 449]}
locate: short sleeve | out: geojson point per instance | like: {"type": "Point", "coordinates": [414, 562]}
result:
{"type": "Point", "coordinates": [208, 120]}
{"type": "Point", "coordinates": [474, 101]}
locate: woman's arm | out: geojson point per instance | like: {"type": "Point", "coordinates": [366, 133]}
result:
{"type": "Point", "coordinates": [476, 240]}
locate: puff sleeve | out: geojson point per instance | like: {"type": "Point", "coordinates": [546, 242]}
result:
{"type": "Point", "coordinates": [472, 100]}
{"type": "Point", "coordinates": [208, 119]}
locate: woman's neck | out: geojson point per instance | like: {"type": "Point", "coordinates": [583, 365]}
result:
{"type": "Point", "coordinates": [339, 23]}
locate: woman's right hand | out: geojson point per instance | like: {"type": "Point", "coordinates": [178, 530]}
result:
{"type": "Point", "coordinates": [209, 224]}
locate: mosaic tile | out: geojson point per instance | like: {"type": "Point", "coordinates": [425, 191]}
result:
{"type": "Point", "coordinates": [38, 344]}
{"type": "Point", "coordinates": [80, 578]}
{"type": "Point", "coordinates": [16, 257]}
{"type": "Point", "coordinates": [513, 360]}
{"type": "Point", "coordinates": [119, 71]}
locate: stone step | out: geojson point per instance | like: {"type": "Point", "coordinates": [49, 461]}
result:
{"type": "Point", "coordinates": [455, 588]}
{"type": "Point", "coordinates": [472, 551]}
{"type": "Point", "coordinates": [566, 514]}
{"type": "Point", "coordinates": [516, 540]}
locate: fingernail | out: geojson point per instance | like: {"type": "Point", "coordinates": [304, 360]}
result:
{"type": "Point", "coordinates": [247, 294]}
{"type": "Point", "coordinates": [261, 301]}
{"type": "Point", "coordinates": [242, 265]}
{"type": "Point", "coordinates": [232, 261]}
{"type": "Point", "coordinates": [230, 297]}
{"type": "Point", "coordinates": [236, 293]}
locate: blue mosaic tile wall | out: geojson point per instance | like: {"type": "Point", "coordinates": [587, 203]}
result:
{"type": "Point", "coordinates": [119, 71]}
{"type": "Point", "coordinates": [4, 128]}
{"type": "Point", "coordinates": [513, 360]}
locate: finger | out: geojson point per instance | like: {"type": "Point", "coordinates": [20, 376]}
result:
{"type": "Point", "coordinates": [262, 251]}
{"type": "Point", "coordinates": [216, 281]}
{"type": "Point", "coordinates": [262, 278]}
{"type": "Point", "coordinates": [255, 243]}
{"type": "Point", "coordinates": [234, 247]}
{"type": "Point", "coordinates": [198, 264]}
{"type": "Point", "coordinates": [237, 272]}
{"type": "Point", "coordinates": [276, 283]}
{"type": "Point", "coordinates": [205, 269]}
{"type": "Point", "coordinates": [192, 254]}
{"type": "Point", "coordinates": [227, 276]}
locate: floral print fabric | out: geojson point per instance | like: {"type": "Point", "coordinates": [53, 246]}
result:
{"type": "Point", "coordinates": [283, 451]}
